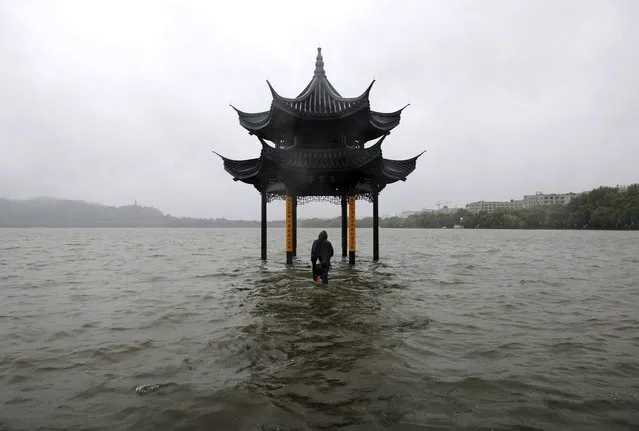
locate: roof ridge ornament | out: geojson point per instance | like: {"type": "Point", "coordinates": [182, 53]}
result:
{"type": "Point", "coordinates": [319, 64]}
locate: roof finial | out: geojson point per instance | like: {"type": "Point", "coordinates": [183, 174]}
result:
{"type": "Point", "coordinates": [319, 63]}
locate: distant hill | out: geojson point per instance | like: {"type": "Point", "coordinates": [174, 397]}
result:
{"type": "Point", "coordinates": [51, 212]}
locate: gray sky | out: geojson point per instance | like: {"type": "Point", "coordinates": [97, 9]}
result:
{"type": "Point", "coordinates": [109, 101]}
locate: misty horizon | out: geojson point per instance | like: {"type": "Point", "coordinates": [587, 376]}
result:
{"type": "Point", "coordinates": [363, 207]}
{"type": "Point", "coordinates": [116, 102]}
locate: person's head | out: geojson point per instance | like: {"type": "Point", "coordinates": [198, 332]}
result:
{"type": "Point", "coordinates": [323, 236]}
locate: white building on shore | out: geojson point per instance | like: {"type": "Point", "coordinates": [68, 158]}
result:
{"type": "Point", "coordinates": [529, 201]}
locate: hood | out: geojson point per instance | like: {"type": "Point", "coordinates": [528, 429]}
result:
{"type": "Point", "coordinates": [323, 236]}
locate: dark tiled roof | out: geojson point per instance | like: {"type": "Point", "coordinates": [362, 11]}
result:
{"type": "Point", "coordinates": [253, 121]}
{"type": "Point", "coordinates": [386, 121]}
{"type": "Point", "coordinates": [241, 169]}
{"type": "Point", "coordinates": [322, 159]}
{"type": "Point", "coordinates": [319, 100]}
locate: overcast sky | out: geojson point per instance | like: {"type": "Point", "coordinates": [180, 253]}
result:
{"type": "Point", "coordinates": [111, 101]}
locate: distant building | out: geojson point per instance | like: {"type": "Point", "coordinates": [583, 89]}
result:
{"type": "Point", "coordinates": [410, 213]}
{"type": "Point", "coordinates": [442, 210]}
{"type": "Point", "coordinates": [446, 210]}
{"type": "Point", "coordinates": [543, 199]}
{"type": "Point", "coordinates": [538, 199]}
{"type": "Point", "coordinates": [490, 206]}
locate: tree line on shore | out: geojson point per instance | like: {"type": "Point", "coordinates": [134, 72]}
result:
{"type": "Point", "coordinates": [601, 208]}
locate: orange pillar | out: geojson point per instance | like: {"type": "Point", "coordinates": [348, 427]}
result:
{"type": "Point", "coordinates": [352, 243]}
{"type": "Point", "coordinates": [289, 229]}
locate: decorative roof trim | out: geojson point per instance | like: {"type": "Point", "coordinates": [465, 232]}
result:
{"type": "Point", "coordinates": [253, 120]}
{"type": "Point", "coordinates": [319, 63]}
{"type": "Point", "coordinates": [400, 169]}
{"type": "Point", "coordinates": [241, 169]}
{"type": "Point", "coordinates": [323, 158]}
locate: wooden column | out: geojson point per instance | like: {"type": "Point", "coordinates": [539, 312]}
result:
{"type": "Point", "coordinates": [294, 226]}
{"type": "Point", "coordinates": [289, 229]}
{"type": "Point", "coordinates": [351, 230]}
{"type": "Point", "coordinates": [376, 226]}
{"type": "Point", "coordinates": [263, 226]}
{"type": "Point", "coordinates": [344, 227]}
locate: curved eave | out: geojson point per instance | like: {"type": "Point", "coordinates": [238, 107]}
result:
{"type": "Point", "coordinates": [241, 170]}
{"type": "Point", "coordinates": [253, 121]}
{"type": "Point", "coordinates": [386, 121]}
{"type": "Point", "coordinates": [397, 170]}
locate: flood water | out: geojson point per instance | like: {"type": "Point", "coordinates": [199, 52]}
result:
{"type": "Point", "coordinates": [452, 329]}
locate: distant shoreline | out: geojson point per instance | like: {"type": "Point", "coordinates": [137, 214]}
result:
{"type": "Point", "coordinates": [604, 208]}
{"type": "Point", "coordinates": [313, 227]}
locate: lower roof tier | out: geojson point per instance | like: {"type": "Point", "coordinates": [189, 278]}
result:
{"type": "Point", "coordinates": [320, 172]}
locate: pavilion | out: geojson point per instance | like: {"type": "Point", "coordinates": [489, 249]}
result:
{"type": "Point", "coordinates": [313, 149]}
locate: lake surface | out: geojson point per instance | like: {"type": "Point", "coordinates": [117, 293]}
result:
{"type": "Point", "coordinates": [452, 329]}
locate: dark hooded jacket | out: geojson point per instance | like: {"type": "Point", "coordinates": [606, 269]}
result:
{"type": "Point", "coordinates": [322, 249]}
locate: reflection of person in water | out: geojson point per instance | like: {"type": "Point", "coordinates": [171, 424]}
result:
{"type": "Point", "coordinates": [321, 253]}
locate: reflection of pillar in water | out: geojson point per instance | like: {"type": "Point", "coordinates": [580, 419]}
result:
{"type": "Point", "coordinates": [351, 230]}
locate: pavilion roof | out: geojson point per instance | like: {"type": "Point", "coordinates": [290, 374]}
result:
{"type": "Point", "coordinates": [319, 100]}
{"type": "Point", "coordinates": [353, 162]}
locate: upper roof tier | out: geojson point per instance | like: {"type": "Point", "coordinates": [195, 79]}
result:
{"type": "Point", "coordinates": [351, 119]}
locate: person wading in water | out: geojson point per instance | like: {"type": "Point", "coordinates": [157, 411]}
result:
{"type": "Point", "coordinates": [322, 251]}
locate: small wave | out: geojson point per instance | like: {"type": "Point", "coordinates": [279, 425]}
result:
{"type": "Point", "coordinates": [461, 255]}
{"type": "Point", "coordinates": [116, 352]}
{"type": "Point", "coordinates": [64, 366]}
{"type": "Point", "coordinates": [455, 282]}
{"type": "Point", "coordinates": [413, 325]}
{"type": "Point", "coordinates": [95, 390]}
{"type": "Point", "coordinates": [17, 378]}
{"type": "Point", "coordinates": [16, 401]}
{"type": "Point", "coordinates": [511, 346]}
{"type": "Point", "coordinates": [153, 387]}
{"type": "Point", "coordinates": [156, 278]}
{"type": "Point", "coordinates": [59, 335]}
{"type": "Point", "coordinates": [544, 282]}
{"type": "Point", "coordinates": [573, 347]}
{"type": "Point", "coordinates": [208, 275]}
{"type": "Point", "coordinates": [629, 369]}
